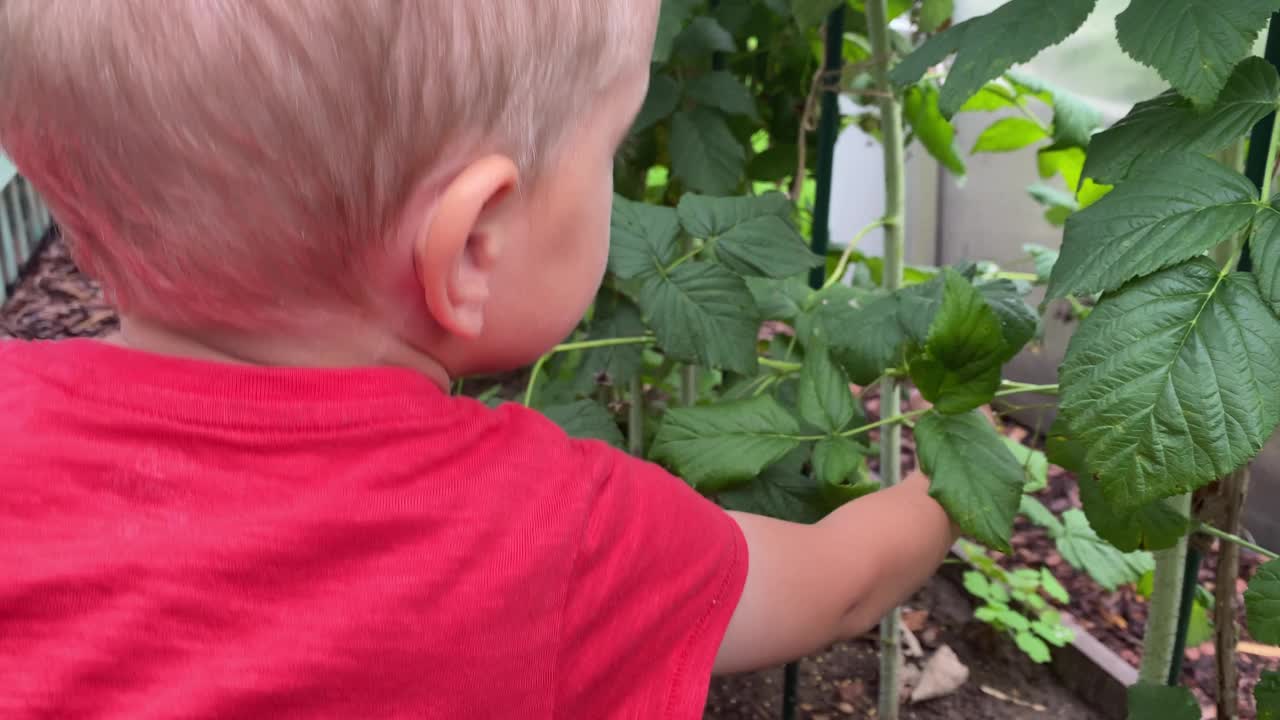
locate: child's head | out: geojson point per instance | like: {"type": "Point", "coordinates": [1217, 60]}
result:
{"type": "Point", "coordinates": [440, 167]}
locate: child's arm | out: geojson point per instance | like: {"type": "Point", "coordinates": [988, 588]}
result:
{"type": "Point", "coordinates": [810, 585]}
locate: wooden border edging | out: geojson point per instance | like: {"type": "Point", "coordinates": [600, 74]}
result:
{"type": "Point", "coordinates": [1086, 667]}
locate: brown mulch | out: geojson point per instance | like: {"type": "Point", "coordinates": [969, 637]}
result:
{"type": "Point", "coordinates": [53, 300]}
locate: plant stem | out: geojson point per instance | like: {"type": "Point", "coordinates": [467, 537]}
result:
{"type": "Point", "coordinates": [1166, 596]}
{"type": "Point", "coordinates": [681, 260]}
{"type": "Point", "coordinates": [569, 347]}
{"type": "Point", "coordinates": [843, 264]}
{"type": "Point", "coordinates": [635, 418]}
{"type": "Point", "coordinates": [894, 254]}
{"type": "Point", "coordinates": [1226, 635]}
{"type": "Point", "coordinates": [1010, 387]}
{"type": "Point", "coordinates": [783, 365]}
{"type": "Point", "coordinates": [1270, 169]}
{"type": "Point", "coordinates": [1236, 540]}
{"type": "Point", "coordinates": [895, 420]}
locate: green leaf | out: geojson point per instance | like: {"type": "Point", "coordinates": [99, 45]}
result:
{"type": "Point", "coordinates": [976, 583]}
{"type": "Point", "coordinates": [708, 217]}
{"type": "Point", "coordinates": [935, 132]}
{"type": "Point", "coordinates": [1173, 209]}
{"type": "Point", "coordinates": [868, 337]}
{"type": "Point", "coordinates": [1262, 603]}
{"type": "Point", "coordinates": [825, 400]}
{"type": "Point", "coordinates": [675, 13]}
{"type": "Point", "coordinates": [837, 459]}
{"type": "Point", "coordinates": [1053, 588]}
{"type": "Point", "coordinates": [588, 420]}
{"type": "Point", "coordinates": [1008, 134]}
{"type": "Point", "coordinates": [1056, 634]}
{"type": "Point", "coordinates": [1193, 44]}
{"type": "Point", "coordinates": [1067, 162]}
{"type": "Point", "coordinates": [659, 103]}
{"type": "Point", "coordinates": [1169, 383]}
{"type": "Point", "coordinates": [782, 491]}
{"type": "Point", "coordinates": [1264, 248]}
{"type": "Point", "coordinates": [987, 614]}
{"type": "Point", "coordinates": [1162, 702]}
{"type": "Point", "coordinates": [1037, 513]}
{"type": "Point", "coordinates": [1267, 695]}
{"type": "Point", "coordinates": [723, 91]}
{"type": "Point", "coordinates": [765, 246]}
{"type": "Point", "coordinates": [959, 369]}
{"type": "Point", "coordinates": [1034, 647]}
{"type": "Point", "coordinates": [705, 35]}
{"type": "Point", "coordinates": [990, 44]}
{"type": "Point", "coordinates": [642, 238]}
{"type": "Point", "coordinates": [1034, 465]}
{"type": "Point", "coordinates": [1199, 626]}
{"type": "Point", "coordinates": [1168, 121]}
{"type": "Point", "coordinates": [1014, 620]}
{"type": "Point", "coordinates": [616, 317]}
{"type": "Point", "coordinates": [1044, 260]}
{"type": "Point", "coordinates": [1018, 321]}
{"type": "Point", "coordinates": [933, 13]}
{"type": "Point", "coordinates": [992, 97]}
{"type": "Point", "coordinates": [972, 474]}
{"type": "Point", "coordinates": [715, 446]}
{"type": "Point", "coordinates": [1154, 526]}
{"type": "Point", "coordinates": [810, 13]}
{"type": "Point", "coordinates": [1064, 450]}
{"type": "Point", "coordinates": [1084, 550]}
{"type": "Point", "coordinates": [1074, 120]}
{"type": "Point", "coordinates": [779, 299]}
{"type": "Point", "coordinates": [705, 155]}
{"type": "Point", "coordinates": [703, 313]}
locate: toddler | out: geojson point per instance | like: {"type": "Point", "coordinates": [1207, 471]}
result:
{"type": "Point", "coordinates": [258, 499]}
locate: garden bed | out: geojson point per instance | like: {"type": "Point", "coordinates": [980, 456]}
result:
{"type": "Point", "coordinates": [55, 301]}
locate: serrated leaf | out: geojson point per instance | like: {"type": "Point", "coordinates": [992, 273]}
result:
{"type": "Point", "coordinates": [659, 103]}
{"type": "Point", "coordinates": [781, 491]}
{"type": "Point", "coordinates": [1074, 120]}
{"type": "Point", "coordinates": [642, 238]}
{"type": "Point", "coordinates": [1262, 603]}
{"type": "Point", "coordinates": [782, 299]}
{"type": "Point", "coordinates": [767, 247]}
{"type": "Point", "coordinates": [976, 583]}
{"type": "Point", "coordinates": [1162, 702]}
{"type": "Point", "coordinates": [1037, 513]}
{"type": "Point", "coordinates": [934, 13]}
{"type": "Point", "coordinates": [1172, 209]}
{"type": "Point", "coordinates": [972, 474]}
{"type": "Point", "coordinates": [705, 155]}
{"type": "Point", "coordinates": [959, 369]}
{"type": "Point", "coordinates": [671, 20]}
{"type": "Point", "coordinates": [1169, 121]}
{"type": "Point", "coordinates": [588, 420]}
{"type": "Point", "coordinates": [1008, 134]}
{"type": "Point", "coordinates": [703, 313]}
{"type": "Point", "coordinates": [1034, 647]}
{"type": "Point", "coordinates": [1014, 620]}
{"type": "Point", "coordinates": [1267, 696]}
{"type": "Point", "coordinates": [1053, 588]}
{"type": "Point", "coordinates": [1064, 450]}
{"type": "Point", "coordinates": [935, 132]}
{"type": "Point", "coordinates": [705, 35]}
{"type": "Point", "coordinates": [714, 446]}
{"type": "Point", "coordinates": [722, 90]}
{"type": "Point", "coordinates": [1034, 465]}
{"type": "Point", "coordinates": [824, 398]}
{"type": "Point", "coordinates": [710, 217]}
{"type": "Point", "coordinates": [1193, 44]}
{"type": "Point", "coordinates": [1264, 249]}
{"type": "Point", "coordinates": [990, 44]}
{"type": "Point", "coordinates": [1018, 321]}
{"type": "Point", "coordinates": [616, 317]}
{"type": "Point", "coordinates": [1044, 260]}
{"type": "Point", "coordinates": [1067, 162]}
{"type": "Point", "coordinates": [1169, 383]}
{"type": "Point", "coordinates": [1154, 526]}
{"type": "Point", "coordinates": [837, 459]}
{"type": "Point", "coordinates": [1084, 550]}
{"type": "Point", "coordinates": [868, 336]}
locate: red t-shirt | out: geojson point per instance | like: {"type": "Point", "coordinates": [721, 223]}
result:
{"type": "Point", "coordinates": [181, 539]}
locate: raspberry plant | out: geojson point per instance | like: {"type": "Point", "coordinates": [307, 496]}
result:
{"type": "Point", "coordinates": [708, 352]}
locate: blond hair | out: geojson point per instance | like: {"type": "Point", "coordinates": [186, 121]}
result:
{"type": "Point", "coordinates": [218, 162]}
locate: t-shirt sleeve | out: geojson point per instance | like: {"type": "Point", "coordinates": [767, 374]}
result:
{"type": "Point", "coordinates": [659, 573]}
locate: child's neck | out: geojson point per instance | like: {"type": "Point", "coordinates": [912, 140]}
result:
{"type": "Point", "coordinates": [345, 348]}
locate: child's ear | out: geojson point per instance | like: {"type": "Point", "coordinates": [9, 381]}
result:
{"type": "Point", "coordinates": [456, 251]}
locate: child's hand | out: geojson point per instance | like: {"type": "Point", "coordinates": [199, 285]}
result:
{"type": "Point", "coordinates": [810, 585]}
